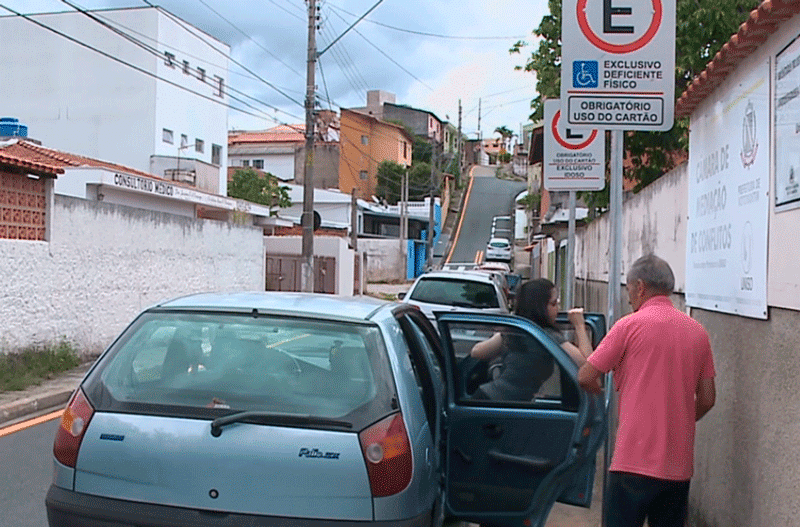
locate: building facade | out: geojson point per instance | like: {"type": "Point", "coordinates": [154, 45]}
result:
{"type": "Point", "coordinates": [365, 142]}
{"type": "Point", "coordinates": [159, 107]}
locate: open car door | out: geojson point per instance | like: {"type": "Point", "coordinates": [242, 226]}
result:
{"type": "Point", "coordinates": [519, 431]}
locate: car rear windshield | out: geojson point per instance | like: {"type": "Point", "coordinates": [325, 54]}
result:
{"type": "Point", "coordinates": [499, 244]}
{"type": "Point", "coordinates": [453, 292]}
{"type": "Point", "coordinates": [200, 364]}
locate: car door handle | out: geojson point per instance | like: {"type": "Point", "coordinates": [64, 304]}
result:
{"type": "Point", "coordinates": [492, 430]}
{"type": "Point", "coordinates": [537, 464]}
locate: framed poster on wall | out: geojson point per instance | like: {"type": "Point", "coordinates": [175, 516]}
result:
{"type": "Point", "coordinates": [787, 127]}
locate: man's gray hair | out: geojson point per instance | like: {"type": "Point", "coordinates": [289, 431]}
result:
{"type": "Point", "coordinates": [654, 272]}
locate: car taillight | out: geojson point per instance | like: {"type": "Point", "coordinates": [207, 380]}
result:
{"type": "Point", "coordinates": [387, 452]}
{"type": "Point", "coordinates": [74, 423]}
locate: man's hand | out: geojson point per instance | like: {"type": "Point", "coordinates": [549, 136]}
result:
{"type": "Point", "coordinates": [589, 378]}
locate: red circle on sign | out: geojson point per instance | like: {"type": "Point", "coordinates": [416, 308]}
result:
{"type": "Point", "coordinates": [563, 143]}
{"type": "Point", "coordinates": [619, 48]}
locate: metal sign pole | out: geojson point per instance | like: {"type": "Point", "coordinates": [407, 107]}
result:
{"type": "Point", "coordinates": [614, 266]}
{"type": "Point", "coordinates": [569, 295]}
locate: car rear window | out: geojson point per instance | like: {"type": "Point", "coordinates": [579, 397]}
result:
{"type": "Point", "coordinates": [499, 244]}
{"type": "Point", "coordinates": [452, 292]}
{"type": "Point", "coordinates": [199, 364]}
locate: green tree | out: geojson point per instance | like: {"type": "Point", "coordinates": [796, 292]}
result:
{"type": "Point", "coordinates": [703, 27]}
{"type": "Point", "coordinates": [390, 178]}
{"type": "Point", "coordinates": [251, 185]}
{"type": "Point", "coordinates": [506, 133]}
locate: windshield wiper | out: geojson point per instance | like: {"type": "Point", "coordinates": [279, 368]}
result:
{"type": "Point", "coordinates": [274, 418]}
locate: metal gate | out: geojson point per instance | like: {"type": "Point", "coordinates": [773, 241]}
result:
{"type": "Point", "coordinates": [284, 273]}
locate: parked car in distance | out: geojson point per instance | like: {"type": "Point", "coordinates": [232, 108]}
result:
{"type": "Point", "coordinates": [499, 249]}
{"type": "Point", "coordinates": [456, 291]}
{"type": "Point", "coordinates": [292, 409]}
{"type": "Point", "coordinates": [510, 281]}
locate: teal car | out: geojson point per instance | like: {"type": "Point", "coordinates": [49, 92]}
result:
{"type": "Point", "coordinates": [283, 409]}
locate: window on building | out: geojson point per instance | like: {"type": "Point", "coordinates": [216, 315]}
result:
{"type": "Point", "coordinates": [216, 154]}
{"type": "Point", "coordinates": [405, 149]}
{"type": "Point", "coordinates": [166, 136]}
{"type": "Point", "coordinates": [220, 82]}
{"type": "Point", "coordinates": [169, 59]}
{"type": "Point", "coordinates": [199, 145]}
{"type": "Point", "coordinates": [201, 74]}
{"type": "Point", "coordinates": [363, 174]}
{"type": "Point", "coordinates": [258, 163]}
{"type": "Point", "coordinates": [23, 202]}
{"type": "Point", "coordinates": [245, 162]}
{"type": "Point", "coordinates": [186, 67]}
{"type": "Point", "coordinates": [364, 139]}
{"type": "Point", "coordinates": [184, 140]}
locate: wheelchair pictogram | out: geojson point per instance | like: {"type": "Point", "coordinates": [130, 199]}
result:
{"type": "Point", "coordinates": [585, 74]}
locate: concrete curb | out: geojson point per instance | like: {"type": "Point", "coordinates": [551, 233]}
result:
{"type": "Point", "coordinates": [31, 405]}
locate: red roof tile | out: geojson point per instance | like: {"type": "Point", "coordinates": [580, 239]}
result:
{"type": "Point", "coordinates": [28, 152]}
{"type": "Point", "coordinates": [24, 163]}
{"type": "Point", "coordinates": [763, 22]}
{"type": "Point", "coordinates": [280, 134]}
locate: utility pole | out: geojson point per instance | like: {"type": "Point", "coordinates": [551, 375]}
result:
{"type": "Point", "coordinates": [431, 208]}
{"type": "Point", "coordinates": [307, 271]}
{"type": "Point", "coordinates": [354, 220]}
{"type": "Point", "coordinates": [458, 143]}
{"type": "Point", "coordinates": [403, 225]}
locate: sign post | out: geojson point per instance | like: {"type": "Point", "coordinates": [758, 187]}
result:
{"type": "Point", "coordinates": [574, 159]}
{"type": "Point", "coordinates": [618, 74]}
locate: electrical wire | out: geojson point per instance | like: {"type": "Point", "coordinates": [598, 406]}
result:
{"type": "Point", "coordinates": [423, 33]}
{"type": "Point", "coordinates": [137, 68]}
{"type": "Point", "coordinates": [387, 56]}
{"type": "Point", "coordinates": [234, 26]}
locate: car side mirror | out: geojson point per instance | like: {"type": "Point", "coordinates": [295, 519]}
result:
{"type": "Point", "coordinates": [401, 295]}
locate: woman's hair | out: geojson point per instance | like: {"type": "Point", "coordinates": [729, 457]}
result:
{"type": "Point", "coordinates": [532, 299]}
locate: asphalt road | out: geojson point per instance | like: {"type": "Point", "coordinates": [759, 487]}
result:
{"type": "Point", "coordinates": [489, 197]}
{"type": "Point", "coordinates": [25, 475]}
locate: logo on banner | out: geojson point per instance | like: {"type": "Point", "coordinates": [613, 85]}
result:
{"type": "Point", "coordinates": [585, 74]}
{"type": "Point", "coordinates": [609, 27]}
{"type": "Point", "coordinates": [749, 139]}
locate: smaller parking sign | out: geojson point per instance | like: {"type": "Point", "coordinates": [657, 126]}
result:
{"type": "Point", "coordinates": [574, 157]}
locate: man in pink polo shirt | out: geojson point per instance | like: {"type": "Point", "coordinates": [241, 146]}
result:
{"type": "Point", "coordinates": [664, 373]}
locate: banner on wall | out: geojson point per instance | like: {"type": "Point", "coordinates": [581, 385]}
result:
{"type": "Point", "coordinates": [787, 127]}
{"type": "Point", "coordinates": [726, 244]}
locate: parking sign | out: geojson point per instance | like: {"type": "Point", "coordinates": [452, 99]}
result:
{"type": "Point", "coordinates": [618, 64]}
{"type": "Point", "coordinates": [574, 158]}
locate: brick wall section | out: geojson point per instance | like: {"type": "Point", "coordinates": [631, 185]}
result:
{"type": "Point", "coordinates": [22, 207]}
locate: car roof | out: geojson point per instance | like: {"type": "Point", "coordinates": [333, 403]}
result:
{"type": "Point", "coordinates": [319, 305]}
{"type": "Point", "coordinates": [471, 275]}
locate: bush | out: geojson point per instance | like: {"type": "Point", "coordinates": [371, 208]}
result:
{"type": "Point", "coordinates": [34, 364]}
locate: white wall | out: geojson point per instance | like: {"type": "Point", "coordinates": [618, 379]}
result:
{"type": "Point", "coordinates": [104, 263]}
{"type": "Point", "coordinates": [654, 220]}
{"type": "Point", "coordinates": [384, 261]}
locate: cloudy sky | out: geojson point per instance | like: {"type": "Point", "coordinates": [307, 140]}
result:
{"type": "Point", "coordinates": [429, 53]}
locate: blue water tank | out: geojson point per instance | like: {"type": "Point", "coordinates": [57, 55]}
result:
{"type": "Point", "coordinates": [10, 127]}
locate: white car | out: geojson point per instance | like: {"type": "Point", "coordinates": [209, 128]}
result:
{"type": "Point", "coordinates": [498, 249]}
{"type": "Point", "coordinates": [457, 291]}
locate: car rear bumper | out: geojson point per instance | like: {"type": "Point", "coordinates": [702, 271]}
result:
{"type": "Point", "coordinates": [66, 508]}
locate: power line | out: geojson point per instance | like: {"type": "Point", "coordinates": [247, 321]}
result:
{"type": "Point", "coordinates": [195, 57]}
{"type": "Point", "coordinates": [352, 75]}
{"type": "Point", "coordinates": [154, 51]}
{"type": "Point", "coordinates": [192, 30]}
{"type": "Point", "coordinates": [234, 26]}
{"type": "Point", "coordinates": [387, 56]}
{"type": "Point", "coordinates": [136, 68]}
{"type": "Point", "coordinates": [425, 34]}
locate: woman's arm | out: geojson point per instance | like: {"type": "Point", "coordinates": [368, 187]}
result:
{"type": "Point", "coordinates": [584, 344]}
{"type": "Point", "coordinates": [489, 348]}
